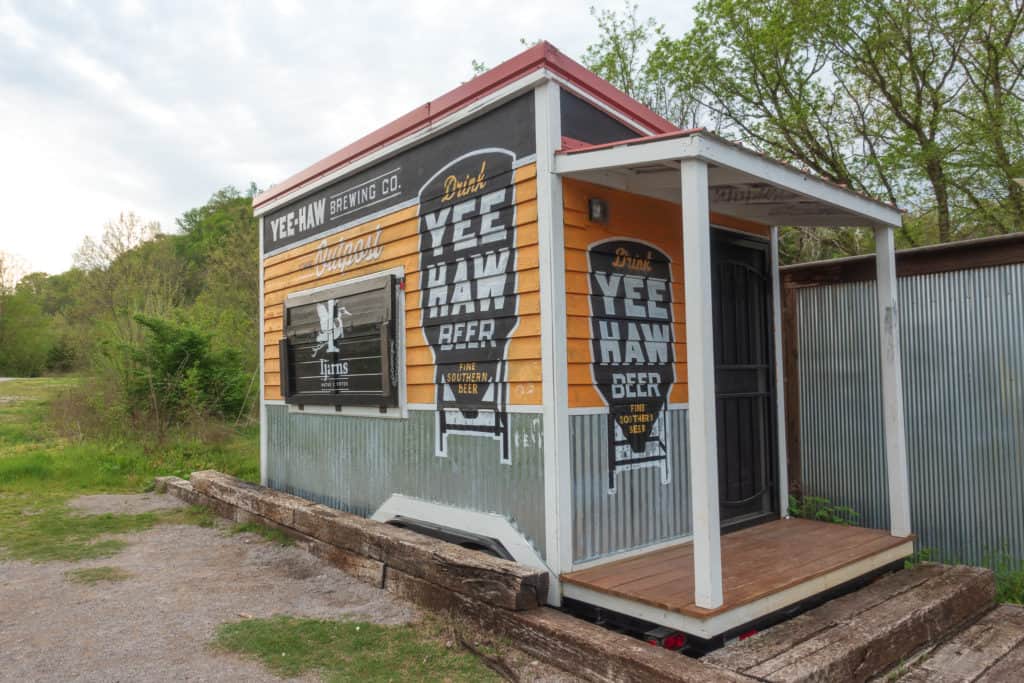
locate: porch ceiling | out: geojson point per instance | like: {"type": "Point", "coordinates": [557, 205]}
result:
{"type": "Point", "coordinates": [741, 182]}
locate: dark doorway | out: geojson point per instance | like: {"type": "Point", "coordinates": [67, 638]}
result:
{"type": "Point", "coordinates": [744, 378]}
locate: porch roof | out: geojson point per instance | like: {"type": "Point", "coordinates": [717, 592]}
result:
{"type": "Point", "coordinates": [741, 182]}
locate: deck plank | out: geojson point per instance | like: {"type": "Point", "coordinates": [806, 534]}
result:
{"type": "Point", "coordinates": [756, 562]}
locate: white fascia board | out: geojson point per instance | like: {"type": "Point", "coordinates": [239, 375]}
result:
{"type": "Point", "coordinates": [622, 155]}
{"type": "Point", "coordinates": [264, 461]}
{"type": "Point", "coordinates": [484, 104]}
{"type": "Point", "coordinates": [614, 112]}
{"type": "Point", "coordinates": [730, 156]}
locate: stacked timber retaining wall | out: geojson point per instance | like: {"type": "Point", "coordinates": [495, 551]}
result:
{"type": "Point", "coordinates": [961, 316]}
{"type": "Point", "coordinates": [496, 595]}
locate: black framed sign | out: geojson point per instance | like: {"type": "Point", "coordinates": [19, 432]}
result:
{"type": "Point", "coordinates": [339, 346]}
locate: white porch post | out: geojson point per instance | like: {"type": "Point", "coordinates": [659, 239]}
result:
{"type": "Point", "coordinates": [557, 464]}
{"type": "Point", "coordinates": [892, 384]}
{"type": "Point", "coordinates": [780, 387]}
{"type": "Point", "coordinates": [700, 359]}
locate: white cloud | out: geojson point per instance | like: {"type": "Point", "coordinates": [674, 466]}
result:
{"type": "Point", "coordinates": [152, 106]}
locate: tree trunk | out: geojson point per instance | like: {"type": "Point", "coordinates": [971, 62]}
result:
{"type": "Point", "coordinates": [940, 188]}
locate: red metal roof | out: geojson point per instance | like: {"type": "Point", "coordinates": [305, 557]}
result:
{"type": "Point", "coordinates": [543, 55]}
{"type": "Point", "coordinates": [576, 146]}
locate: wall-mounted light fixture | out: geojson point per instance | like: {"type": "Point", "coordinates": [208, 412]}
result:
{"type": "Point", "coordinates": [598, 210]}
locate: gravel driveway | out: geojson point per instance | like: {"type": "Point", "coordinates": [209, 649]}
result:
{"type": "Point", "coordinates": [155, 626]}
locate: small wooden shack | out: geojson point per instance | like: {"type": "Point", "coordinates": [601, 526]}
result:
{"type": "Point", "coordinates": [534, 313]}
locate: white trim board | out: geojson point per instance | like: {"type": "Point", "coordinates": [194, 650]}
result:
{"type": "Point", "coordinates": [554, 338]}
{"type": "Point", "coordinates": [782, 457]}
{"type": "Point", "coordinates": [744, 614]}
{"type": "Point", "coordinates": [611, 111]}
{"type": "Point", "coordinates": [264, 459]}
{"type": "Point", "coordinates": [425, 407]}
{"type": "Point", "coordinates": [399, 412]}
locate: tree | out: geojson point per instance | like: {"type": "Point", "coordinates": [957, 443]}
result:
{"type": "Point", "coordinates": [990, 110]}
{"type": "Point", "coordinates": [916, 102]}
{"type": "Point", "coordinates": [25, 335]}
{"type": "Point", "coordinates": [637, 57]}
{"type": "Point", "coordinates": [121, 235]}
{"type": "Point", "coordinates": [223, 236]}
{"type": "Point", "coordinates": [12, 269]}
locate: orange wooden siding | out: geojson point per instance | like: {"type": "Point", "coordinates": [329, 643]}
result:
{"type": "Point", "coordinates": [630, 216]}
{"type": "Point", "coordinates": [296, 270]}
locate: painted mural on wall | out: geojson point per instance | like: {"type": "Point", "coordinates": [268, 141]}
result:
{"type": "Point", "coordinates": [467, 225]}
{"type": "Point", "coordinates": [632, 351]}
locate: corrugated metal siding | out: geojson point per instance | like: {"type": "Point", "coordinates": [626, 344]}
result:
{"type": "Point", "coordinates": [642, 511]}
{"type": "Point", "coordinates": [962, 344]}
{"type": "Point", "coordinates": [356, 463]}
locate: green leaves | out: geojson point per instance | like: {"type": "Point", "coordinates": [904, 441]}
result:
{"type": "Point", "coordinates": [916, 102]}
{"type": "Point", "coordinates": [176, 375]}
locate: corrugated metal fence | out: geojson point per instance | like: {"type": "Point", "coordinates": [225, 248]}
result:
{"type": "Point", "coordinates": [962, 344]}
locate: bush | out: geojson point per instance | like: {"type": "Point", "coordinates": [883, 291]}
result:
{"type": "Point", "coordinates": [26, 335]}
{"type": "Point", "coordinates": [174, 376]}
{"type": "Point", "coordinates": [822, 509]}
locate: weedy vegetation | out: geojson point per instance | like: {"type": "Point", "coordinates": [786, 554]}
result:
{"type": "Point", "coordinates": [94, 575]}
{"type": "Point", "coordinates": [822, 510]}
{"type": "Point", "coordinates": [342, 651]}
{"type": "Point", "coordinates": [41, 468]}
{"type": "Point", "coordinates": [269, 534]}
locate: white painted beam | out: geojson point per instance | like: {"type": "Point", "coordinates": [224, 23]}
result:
{"type": "Point", "coordinates": [263, 390]}
{"type": "Point", "coordinates": [554, 368]}
{"type": "Point", "coordinates": [723, 154]}
{"type": "Point", "coordinates": [780, 387]}
{"type": "Point", "coordinates": [700, 358]}
{"type": "Point", "coordinates": [892, 384]}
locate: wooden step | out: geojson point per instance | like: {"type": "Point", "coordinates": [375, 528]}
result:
{"type": "Point", "coordinates": [868, 632]}
{"type": "Point", "coordinates": [990, 650]}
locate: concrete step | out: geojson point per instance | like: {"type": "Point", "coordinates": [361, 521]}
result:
{"type": "Point", "coordinates": [869, 631]}
{"type": "Point", "coordinates": [990, 650]}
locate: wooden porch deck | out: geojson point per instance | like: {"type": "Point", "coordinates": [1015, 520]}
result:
{"type": "Point", "coordinates": [764, 568]}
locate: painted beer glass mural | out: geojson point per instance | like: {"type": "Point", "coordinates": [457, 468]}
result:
{"type": "Point", "coordinates": [468, 284]}
{"type": "Point", "coordinates": [632, 351]}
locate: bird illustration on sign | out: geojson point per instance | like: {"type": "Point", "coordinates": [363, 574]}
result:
{"type": "Point", "coordinates": [332, 325]}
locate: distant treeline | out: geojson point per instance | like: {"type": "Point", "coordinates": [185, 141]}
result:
{"type": "Point", "coordinates": [164, 326]}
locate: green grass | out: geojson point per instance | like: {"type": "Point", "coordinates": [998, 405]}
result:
{"type": "Point", "coordinates": [1009, 578]}
{"type": "Point", "coordinates": [196, 515]}
{"type": "Point", "coordinates": [273, 535]}
{"type": "Point", "coordinates": [96, 575]}
{"type": "Point", "coordinates": [40, 471]}
{"type": "Point", "coordinates": [351, 651]}
{"type": "Point", "coordinates": [1008, 570]}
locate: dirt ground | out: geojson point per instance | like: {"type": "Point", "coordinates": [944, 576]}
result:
{"type": "Point", "coordinates": [155, 626]}
{"type": "Point", "coordinates": [184, 582]}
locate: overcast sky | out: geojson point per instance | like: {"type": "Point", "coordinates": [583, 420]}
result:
{"type": "Point", "coordinates": [113, 106]}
